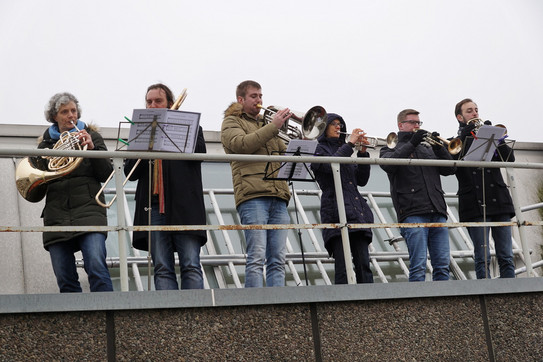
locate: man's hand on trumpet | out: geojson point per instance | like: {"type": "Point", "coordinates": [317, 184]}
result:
{"type": "Point", "coordinates": [281, 117]}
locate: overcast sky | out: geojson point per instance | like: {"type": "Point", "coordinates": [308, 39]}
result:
{"type": "Point", "coordinates": [366, 60]}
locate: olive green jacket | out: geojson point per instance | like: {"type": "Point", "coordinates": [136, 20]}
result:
{"type": "Point", "coordinates": [242, 134]}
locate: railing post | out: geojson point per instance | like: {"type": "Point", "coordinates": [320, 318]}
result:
{"type": "Point", "coordinates": [121, 222]}
{"type": "Point", "coordinates": [343, 221]}
{"type": "Point", "coordinates": [520, 221]}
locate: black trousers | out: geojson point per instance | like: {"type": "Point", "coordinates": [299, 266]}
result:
{"type": "Point", "coordinates": [361, 258]}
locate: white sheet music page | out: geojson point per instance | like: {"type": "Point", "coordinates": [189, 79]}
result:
{"type": "Point", "coordinates": [306, 148]}
{"type": "Point", "coordinates": [483, 147]}
{"type": "Point", "coordinates": [176, 131]}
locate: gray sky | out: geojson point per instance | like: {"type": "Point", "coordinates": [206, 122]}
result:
{"type": "Point", "coordinates": [366, 60]}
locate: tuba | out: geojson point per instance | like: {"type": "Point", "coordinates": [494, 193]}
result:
{"type": "Point", "coordinates": [313, 123]}
{"type": "Point", "coordinates": [32, 181]}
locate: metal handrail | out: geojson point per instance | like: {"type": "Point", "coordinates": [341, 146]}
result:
{"type": "Point", "coordinates": [122, 228]}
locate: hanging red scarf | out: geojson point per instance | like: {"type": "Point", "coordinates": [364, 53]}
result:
{"type": "Point", "coordinates": [158, 184]}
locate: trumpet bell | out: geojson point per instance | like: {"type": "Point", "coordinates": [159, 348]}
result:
{"type": "Point", "coordinates": [392, 140]}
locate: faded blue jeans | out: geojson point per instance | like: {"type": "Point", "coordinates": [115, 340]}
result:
{"type": "Point", "coordinates": [265, 246]}
{"type": "Point", "coordinates": [503, 244]}
{"type": "Point", "coordinates": [163, 246]}
{"type": "Point", "coordinates": [93, 248]}
{"type": "Point", "coordinates": [420, 241]}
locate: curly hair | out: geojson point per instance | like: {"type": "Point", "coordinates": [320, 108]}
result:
{"type": "Point", "coordinates": [58, 100]}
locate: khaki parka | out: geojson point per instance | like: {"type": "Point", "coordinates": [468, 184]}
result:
{"type": "Point", "coordinates": [242, 134]}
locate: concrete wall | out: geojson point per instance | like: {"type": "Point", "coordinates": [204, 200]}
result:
{"type": "Point", "coordinates": [482, 320]}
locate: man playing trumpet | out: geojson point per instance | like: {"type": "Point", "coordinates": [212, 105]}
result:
{"type": "Point", "coordinates": [498, 202]}
{"type": "Point", "coordinates": [258, 201]}
{"type": "Point", "coordinates": [418, 197]}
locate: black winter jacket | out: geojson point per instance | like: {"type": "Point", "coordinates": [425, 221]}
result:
{"type": "Point", "coordinates": [183, 194]}
{"type": "Point", "coordinates": [70, 199]}
{"type": "Point", "coordinates": [356, 208]}
{"type": "Point", "coordinates": [416, 190]}
{"type": "Point", "coordinates": [470, 181]}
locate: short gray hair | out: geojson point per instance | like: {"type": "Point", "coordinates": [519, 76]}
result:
{"type": "Point", "coordinates": [60, 99]}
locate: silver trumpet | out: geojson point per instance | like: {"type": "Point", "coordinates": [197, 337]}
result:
{"type": "Point", "coordinates": [372, 142]}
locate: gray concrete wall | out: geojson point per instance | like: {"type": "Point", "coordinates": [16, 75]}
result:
{"type": "Point", "coordinates": [477, 320]}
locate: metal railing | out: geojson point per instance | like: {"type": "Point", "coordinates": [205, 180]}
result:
{"type": "Point", "coordinates": [319, 257]}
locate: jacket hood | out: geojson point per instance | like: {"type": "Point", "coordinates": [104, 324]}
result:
{"type": "Point", "coordinates": [234, 109]}
{"type": "Point", "coordinates": [331, 118]}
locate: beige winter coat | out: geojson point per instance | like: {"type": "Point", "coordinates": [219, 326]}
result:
{"type": "Point", "coordinates": [242, 134]}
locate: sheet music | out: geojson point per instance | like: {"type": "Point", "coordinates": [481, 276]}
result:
{"type": "Point", "coordinates": [306, 147]}
{"type": "Point", "coordinates": [176, 131]}
{"type": "Point", "coordinates": [483, 147]}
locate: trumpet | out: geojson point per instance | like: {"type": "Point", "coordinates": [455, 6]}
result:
{"type": "Point", "coordinates": [313, 123]}
{"type": "Point", "coordinates": [477, 122]}
{"type": "Point", "coordinates": [454, 146]}
{"type": "Point", "coordinates": [373, 142]}
{"type": "Point", "coordinates": [175, 105]}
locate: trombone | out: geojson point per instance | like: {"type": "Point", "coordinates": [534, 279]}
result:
{"type": "Point", "coordinates": [175, 106]}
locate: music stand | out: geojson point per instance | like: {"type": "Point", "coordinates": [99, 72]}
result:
{"type": "Point", "coordinates": [150, 130]}
{"type": "Point", "coordinates": [294, 171]}
{"type": "Point", "coordinates": [483, 148]}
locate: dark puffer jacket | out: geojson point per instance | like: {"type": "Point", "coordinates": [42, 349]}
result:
{"type": "Point", "coordinates": [356, 208]}
{"type": "Point", "coordinates": [183, 194]}
{"type": "Point", "coordinates": [70, 199]}
{"type": "Point", "coordinates": [416, 190]}
{"type": "Point", "coordinates": [470, 181]}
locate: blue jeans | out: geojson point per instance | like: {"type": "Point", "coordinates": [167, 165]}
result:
{"type": "Point", "coordinates": [93, 248]}
{"type": "Point", "coordinates": [265, 246]}
{"type": "Point", "coordinates": [420, 241]}
{"type": "Point", "coordinates": [163, 246]}
{"type": "Point", "coordinates": [503, 244]}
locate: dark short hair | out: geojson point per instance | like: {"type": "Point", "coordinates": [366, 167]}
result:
{"type": "Point", "coordinates": [169, 93]}
{"type": "Point", "coordinates": [60, 99]}
{"type": "Point", "coordinates": [241, 90]}
{"type": "Point", "coordinates": [458, 107]}
{"type": "Point", "coordinates": [404, 113]}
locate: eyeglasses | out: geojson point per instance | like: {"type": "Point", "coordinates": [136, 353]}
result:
{"type": "Point", "coordinates": [335, 124]}
{"type": "Point", "coordinates": [413, 122]}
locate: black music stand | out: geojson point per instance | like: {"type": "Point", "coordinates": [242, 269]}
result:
{"type": "Point", "coordinates": [294, 171]}
{"type": "Point", "coordinates": [483, 148]}
{"type": "Point", "coordinates": [149, 132]}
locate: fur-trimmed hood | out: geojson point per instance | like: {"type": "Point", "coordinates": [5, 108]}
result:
{"type": "Point", "coordinates": [234, 109]}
